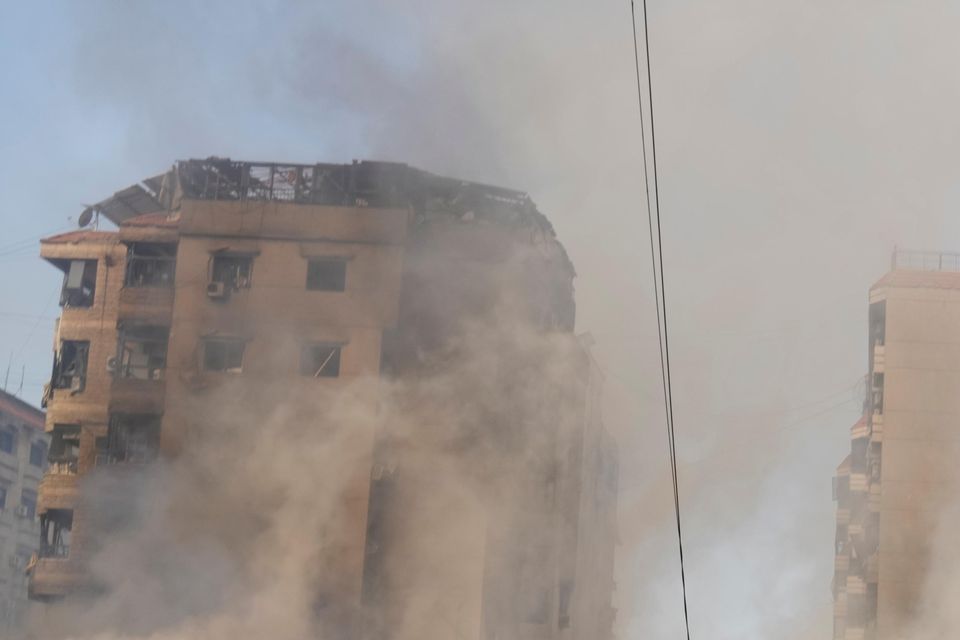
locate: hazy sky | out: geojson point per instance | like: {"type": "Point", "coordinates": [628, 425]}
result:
{"type": "Point", "coordinates": [799, 142]}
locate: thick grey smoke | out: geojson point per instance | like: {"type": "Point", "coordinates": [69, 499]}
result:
{"type": "Point", "coordinates": [798, 142]}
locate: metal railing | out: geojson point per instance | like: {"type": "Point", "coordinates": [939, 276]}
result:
{"type": "Point", "coordinates": [65, 467]}
{"type": "Point", "coordinates": [925, 260]}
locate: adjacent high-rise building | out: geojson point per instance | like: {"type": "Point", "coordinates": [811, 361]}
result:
{"type": "Point", "coordinates": [235, 277]}
{"type": "Point", "coordinates": [23, 457]}
{"type": "Point", "coordinates": [901, 472]}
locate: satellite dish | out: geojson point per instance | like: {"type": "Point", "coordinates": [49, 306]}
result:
{"type": "Point", "coordinates": [86, 217]}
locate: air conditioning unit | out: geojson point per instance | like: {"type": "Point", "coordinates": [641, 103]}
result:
{"type": "Point", "coordinates": [112, 364]}
{"type": "Point", "coordinates": [22, 511]}
{"type": "Point", "coordinates": [217, 290]}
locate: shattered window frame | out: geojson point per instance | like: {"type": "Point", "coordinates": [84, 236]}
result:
{"type": "Point", "coordinates": [327, 274]}
{"type": "Point", "coordinates": [150, 265]}
{"type": "Point", "coordinates": [71, 374]}
{"type": "Point", "coordinates": [142, 352]}
{"type": "Point", "coordinates": [131, 438]}
{"type": "Point", "coordinates": [321, 359]}
{"type": "Point", "coordinates": [223, 355]}
{"type": "Point", "coordinates": [64, 452]}
{"type": "Point", "coordinates": [79, 287]}
{"type": "Point", "coordinates": [56, 526]}
{"type": "Point", "coordinates": [234, 270]}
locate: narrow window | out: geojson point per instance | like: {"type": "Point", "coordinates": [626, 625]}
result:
{"type": "Point", "coordinates": [64, 449]}
{"type": "Point", "coordinates": [150, 264]}
{"type": "Point", "coordinates": [320, 361]}
{"type": "Point", "coordinates": [223, 355]}
{"type": "Point", "coordinates": [79, 283]}
{"type": "Point", "coordinates": [55, 528]}
{"type": "Point", "coordinates": [28, 504]}
{"type": "Point", "coordinates": [233, 271]}
{"type": "Point", "coordinates": [3, 497]}
{"type": "Point", "coordinates": [70, 365]}
{"type": "Point", "coordinates": [8, 440]}
{"type": "Point", "coordinates": [38, 451]}
{"type": "Point", "coordinates": [327, 274]}
{"type": "Point", "coordinates": [142, 353]}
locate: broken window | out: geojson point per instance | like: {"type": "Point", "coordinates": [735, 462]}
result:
{"type": "Point", "coordinates": [79, 283]}
{"type": "Point", "coordinates": [151, 264]}
{"type": "Point", "coordinates": [223, 354]}
{"type": "Point", "coordinates": [28, 504]}
{"type": "Point", "coordinates": [327, 274]}
{"type": "Point", "coordinates": [320, 360]}
{"type": "Point", "coordinates": [64, 449]}
{"type": "Point", "coordinates": [55, 528]}
{"type": "Point", "coordinates": [8, 439]}
{"type": "Point", "coordinates": [38, 451]}
{"type": "Point", "coordinates": [132, 438]}
{"type": "Point", "coordinates": [232, 271]}
{"type": "Point", "coordinates": [70, 365]}
{"type": "Point", "coordinates": [142, 353]}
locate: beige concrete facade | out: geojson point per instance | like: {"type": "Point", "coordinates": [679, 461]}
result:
{"type": "Point", "coordinates": [219, 281]}
{"type": "Point", "coordinates": [902, 469]}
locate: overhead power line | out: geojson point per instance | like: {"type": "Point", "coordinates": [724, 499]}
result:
{"type": "Point", "coordinates": [659, 285]}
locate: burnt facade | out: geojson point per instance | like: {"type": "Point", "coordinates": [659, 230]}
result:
{"type": "Point", "coordinates": [245, 276]}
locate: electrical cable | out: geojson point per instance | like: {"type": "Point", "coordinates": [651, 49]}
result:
{"type": "Point", "coordinates": [660, 293]}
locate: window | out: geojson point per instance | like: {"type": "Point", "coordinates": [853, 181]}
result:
{"type": "Point", "coordinates": [55, 529]}
{"type": "Point", "coordinates": [8, 440]}
{"type": "Point", "coordinates": [133, 438]}
{"type": "Point", "coordinates": [142, 353]}
{"type": "Point", "coordinates": [320, 361]}
{"type": "Point", "coordinates": [3, 497]}
{"type": "Point", "coordinates": [38, 451]}
{"type": "Point", "coordinates": [64, 449]}
{"type": "Point", "coordinates": [28, 500]}
{"type": "Point", "coordinates": [223, 355]}
{"type": "Point", "coordinates": [233, 271]}
{"type": "Point", "coordinates": [79, 283]}
{"type": "Point", "coordinates": [150, 265]}
{"type": "Point", "coordinates": [70, 365]}
{"type": "Point", "coordinates": [327, 274]}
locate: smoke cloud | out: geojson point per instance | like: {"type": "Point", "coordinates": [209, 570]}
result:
{"type": "Point", "coordinates": [798, 142]}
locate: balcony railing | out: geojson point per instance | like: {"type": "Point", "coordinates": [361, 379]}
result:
{"type": "Point", "coordinates": [62, 467]}
{"type": "Point", "coordinates": [925, 260]}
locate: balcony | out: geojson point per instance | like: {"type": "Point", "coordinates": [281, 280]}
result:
{"type": "Point", "coordinates": [879, 358]}
{"type": "Point", "coordinates": [841, 563]}
{"type": "Point", "coordinates": [876, 428]}
{"type": "Point", "coordinates": [856, 586]}
{"type": "Point", "coordinates": [843, 517]}
{"type": "Point", "coordinates": [59, 490]}
{"type": "Point", "coordinates": [859, 482]}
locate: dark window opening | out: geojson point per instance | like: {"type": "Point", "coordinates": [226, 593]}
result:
{"type": "Point", "coordinates": [3, 497]}
{"type": "Point", "coordinates": [28, 504]}
{"type": "Point", "coordinates": [64, 449]}
{"type": "Point", "coordinates": [55, 528]}
{"type": "Point", "coordinates": [142, 353]}
{"type": "Point", "coordinates": [151, 265]}
{"type": "Point", "coordinates": [876, 395]}
{"type": "Point", "coordinates": [234, 272]}
{"type": "Point", "coordinates": [327, 274]}
{"type": "Point", "coordinates": [132, 438]}
{"type": "Point", "coordinates": [79, 283]}
{"type": "Point", "coordinates": [224, 355]}
{"type": "Point", "coordinates": [70, 365]}
{"type": "Point", "coordinates": [8, 440]}
{"type": "Point", "coordinates": [38, 452]}
{"type": "Point", "coordinates": [320, 361]}
{"type": "Point", "coordinates": [563, 616]}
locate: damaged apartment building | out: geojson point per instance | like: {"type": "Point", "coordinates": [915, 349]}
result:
{"type": "Point", "coordinates": [901, 474]}
{"type": "Point", "coordinates": [312, 276]}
